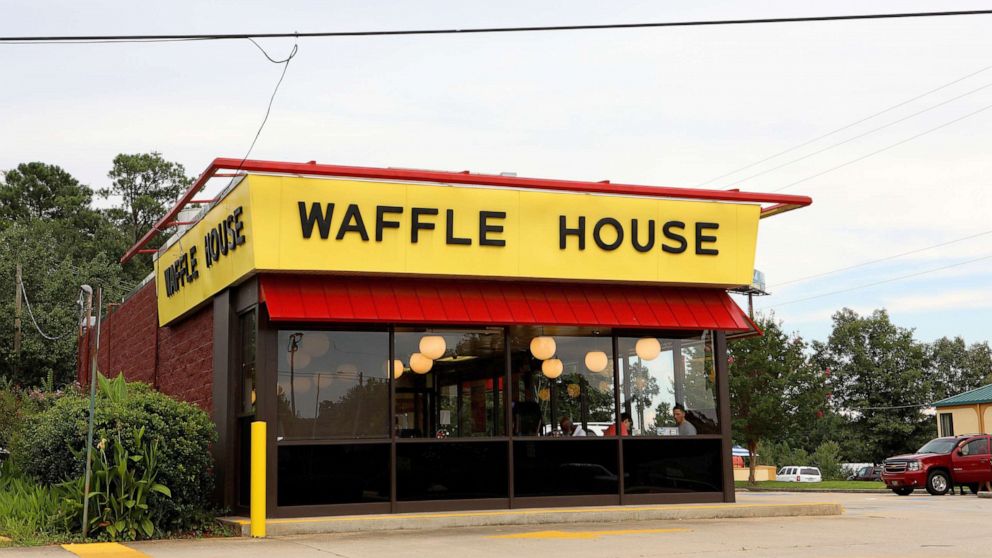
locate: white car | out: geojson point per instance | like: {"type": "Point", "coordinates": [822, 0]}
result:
{"type": "Point", "coordinates": [798, 474]}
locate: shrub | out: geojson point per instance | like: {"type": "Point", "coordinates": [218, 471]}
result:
{"type": "Point", "coordinates": [827, 458]}
{"type": "Point", "coordinates": [30, 513]}
{"type": "Point", "coordinates": [183, 434]}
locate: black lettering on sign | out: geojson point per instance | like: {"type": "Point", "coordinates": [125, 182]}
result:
{"type": "Point", "coordinates": [564, 232]}
{"type": "Point", "coordinates": [598, 236]}
{"type": "Point", "coordinates": [449, 233]}
{"type": "Point", "coordinates": [633, 236]}
{"type": "Point", "coordinates": [316, 216]}
{"type": "Point", "coordinates": [381, 223]}
{"type": "Point", "coordinates": [353, 222]}
{"type": "Point", "coordinates": [180, 272]}
{"type": "Point", "coordinates": [239, 227]}
{"type": "Point", "coordinates": [416, 226]}
{"type": "Point", "coordinates": [485, 228]}
{"type": "Point", "coordinates": [701, 238]}
{"type": "Point", "coordinates": [671, 235]}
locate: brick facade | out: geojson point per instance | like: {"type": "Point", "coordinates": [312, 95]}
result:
{"type": "Point", "coordinates": [177, 360]}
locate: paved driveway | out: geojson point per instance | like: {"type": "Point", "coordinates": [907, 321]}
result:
{"type": "Point", "coordinates": [874, 525]}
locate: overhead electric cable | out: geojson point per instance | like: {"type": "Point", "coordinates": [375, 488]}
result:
{"type": "Point", "coordinates": [845, 127]}
{"type": "Point", "coordinates": [882, 282]}
{"type": "Point", "coordinates": [475, 30]}
{"type": "Point", "coordinates": [861, 135]}
{"type": "Point", "coordinates": [268, 110]}
{"type": "Point", "coordinates": [876, 152]}
{"type": "Point", "coordinates": [27, 304]}
{"type": "Point", "coordinates": [885, 259]}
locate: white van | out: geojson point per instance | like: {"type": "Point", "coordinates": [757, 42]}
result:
{"type": "Point", "coordinates": [794, 473]}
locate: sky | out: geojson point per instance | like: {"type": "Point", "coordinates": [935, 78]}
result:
{"type": "Point", "coordinates": [667, 107]}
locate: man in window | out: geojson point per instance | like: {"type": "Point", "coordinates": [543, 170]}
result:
{"type": "Point", "coordinates": [685, 427]}
{"type": "Point", "coordinates": [570, 429]}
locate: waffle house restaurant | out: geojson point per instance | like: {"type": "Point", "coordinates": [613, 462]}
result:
{"type": "Point", "coordinates": [420, 340]}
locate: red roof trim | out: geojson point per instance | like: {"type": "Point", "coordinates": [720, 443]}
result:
{"type": "Point", "coordinates": [779, 202]}
{"type": "Point", "coordinates": [354, 299]}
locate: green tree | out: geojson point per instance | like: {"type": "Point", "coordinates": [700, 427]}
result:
{"type": "Point", "coordinates": [146, 185]}
{"type": "Point", "coordinates": [771, 384]}
{"type": "Point", "coordinates": [51, 280]}
{"type": "Point", "coordinates": [879, 381]}
{"type": "Point", "coordinates": [955, 368]}
{"type": "Point", "coordinates": [643, 389]}
{"type": "Point", "coordinates": [41, 191]}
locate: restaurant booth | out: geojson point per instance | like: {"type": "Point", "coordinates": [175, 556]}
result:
{"type": "Point", "coordinates": [414, 340]}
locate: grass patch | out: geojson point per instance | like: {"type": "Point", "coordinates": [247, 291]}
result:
{"type": "Point", "coordinates": [825, 485]}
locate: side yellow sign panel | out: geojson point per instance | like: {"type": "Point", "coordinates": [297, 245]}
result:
{"type": "Point", "coordinates": [212, 255]}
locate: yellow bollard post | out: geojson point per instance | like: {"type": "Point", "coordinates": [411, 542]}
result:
{"type": "Point", "coordinates": [258, 479]}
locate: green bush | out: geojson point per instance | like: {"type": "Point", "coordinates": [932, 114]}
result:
{"type": "Point", "coordinates": [827, 458]}
{"type": "Point", "coordinates": [31, 513]}
{"type": "Point", "coordinates": [51, 449]}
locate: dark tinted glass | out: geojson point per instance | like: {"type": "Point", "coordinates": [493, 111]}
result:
{"type": "Point", "coordinates": [672, 465]}
{"type": "Point", "coordinates": [450, 384]}
{"type": "Point", "coordinates": [647, 380]}
{"type": "Point", "coordinates": [978, 447]}
{"type": "Point", "coordinates": [339, 474]}
{"type": "Point", "coordinates": [565, 467]}
{"type": "Point", "coordinates": [247, 325]}
{"type": "Point", "coordinates": [451, 470]}
{"type": "Point", "coordinates": [333, 384]}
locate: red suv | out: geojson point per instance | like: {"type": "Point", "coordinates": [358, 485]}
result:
{"type": "Point", "coordinates": [940, 465]}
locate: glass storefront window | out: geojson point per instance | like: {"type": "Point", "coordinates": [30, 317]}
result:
{"type": "Point", "coordinates": [333, 384]}
{"type": "Point", "coordinates": [698, 384]}
{"type": "Point", "coordinates": [247, 326]}
{"type": "Point", "coordinates": [562, 382]}
{"type": "Point", "coordinates": [668, 386]}
{"type": "Point", "coordinates": [450, 384]}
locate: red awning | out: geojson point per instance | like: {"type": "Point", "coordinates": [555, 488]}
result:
{"type": "Point", "coordinates": [317, 298]}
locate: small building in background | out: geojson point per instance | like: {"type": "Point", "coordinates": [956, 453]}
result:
{"type": "Point", "coordinates": [966, 413]}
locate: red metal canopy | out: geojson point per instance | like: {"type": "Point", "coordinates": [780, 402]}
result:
{"type": "Point", "coordinates": [321, 298]}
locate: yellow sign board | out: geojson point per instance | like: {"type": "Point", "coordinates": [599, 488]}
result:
{"type": "Point", "coordinates": [284, 223]}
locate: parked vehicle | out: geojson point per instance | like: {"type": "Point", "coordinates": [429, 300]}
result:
{"type": "Point", "coordinates": [940, 465]}
{"type": "Point", "coordinates": [867, 473]}
{"type": "Point", "coordinates": [794, 473]}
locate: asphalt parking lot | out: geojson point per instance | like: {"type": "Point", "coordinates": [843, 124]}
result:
{"type": "Point", "coordinates": [874, 525]}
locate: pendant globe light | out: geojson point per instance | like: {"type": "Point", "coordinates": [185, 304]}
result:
{"type": "Point", "coordinates": [543, 347]}
{"type": "Point", "coordinates": [596, 361]}
{"type": "Point", "coordinates": [432, 346]}
{"type": "Point", "coordinates": [397, 368]}
{"type": "Point", "coordinates": [648, 348]}
{"type": "Point", "coordinates": [420, 363]}
{"type": "Point", "coordinates": [552, 368]}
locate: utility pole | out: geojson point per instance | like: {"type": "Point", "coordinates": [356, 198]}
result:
{"type": "Point", "coordinates": [17, 321]}
{"type": "Point", "coordinates": [89, 435]}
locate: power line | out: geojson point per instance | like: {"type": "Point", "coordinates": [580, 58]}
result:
{"type": "Point", "coordinates": [27, 304]}
{"type": "Point", "coordinates": [846, 126]}
{"type": "Point", "coordinates": [285, 62]}
{"type": "Point", "coordinates": [476, 30]}
{"type": "Point", "coordinates": [863, 134]}
{"type": "Point", "coordinates": [873, 153]}
{"type": "Point", "coordinates": [882, 282]}
{"type": "Point", "coordinates": [886, 258]}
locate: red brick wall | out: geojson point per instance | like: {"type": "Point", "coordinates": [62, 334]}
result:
{"type": "Point", "coordinates": [177, 360]}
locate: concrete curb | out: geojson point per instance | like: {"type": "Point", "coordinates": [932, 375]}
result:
{"type": "Point", "coordinates": [610, 514]}
{"type": "Point", "coordinates": [819, 490]}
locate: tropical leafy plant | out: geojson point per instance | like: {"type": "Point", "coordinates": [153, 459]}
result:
{"type": "Point", "coordinates": [119, 489]}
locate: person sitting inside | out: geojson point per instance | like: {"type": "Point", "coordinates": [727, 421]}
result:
{"type": "Point", "coordinates": [685, 427]}
{"type": "Point", "coordinates": [625, 424]}
{"type": "Point", "coordinates": [569, 429]}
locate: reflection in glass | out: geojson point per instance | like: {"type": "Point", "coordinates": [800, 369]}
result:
{"type": "Point", "coordinates": [333, 474]}
{"type": "Point", "coordinates": [673, 393]}
{"type": "Point", "coordinates": [451, 470]}
{"type": "Point", "coordinates": [247, 325]}
{"type": "Point", "coordinates": [451, 383]}
{"type": "Point", "coordinates": [333, 384]}
{"type": "Point", "coordinates": [572, 389]}
{"type": "Point", "coordinates": [676, 465]}
{"type": "Point", "coordinates": [648, 393]}
{"type": "Point", "coordinates": [565, 467]}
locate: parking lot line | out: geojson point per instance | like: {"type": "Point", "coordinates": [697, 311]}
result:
{"type": "Point", "coordinates": [103, 550]}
